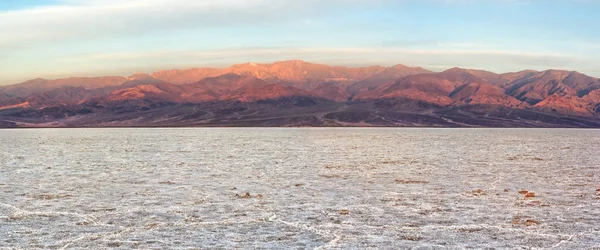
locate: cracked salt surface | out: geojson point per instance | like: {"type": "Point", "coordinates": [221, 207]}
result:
{"type": "Point", "coordinates": [300, 188]}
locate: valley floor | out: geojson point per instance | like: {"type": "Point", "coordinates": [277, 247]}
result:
{"type": "Point", "coordinates": [299, 188]}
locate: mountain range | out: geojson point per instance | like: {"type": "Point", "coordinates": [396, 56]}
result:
{"type": "Point", "coordinates": [298, 93]}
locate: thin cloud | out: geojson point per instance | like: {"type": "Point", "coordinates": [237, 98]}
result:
{"type": "Point", "coordinates": [333, 50]}
{"type": "Point", "coordinates": [80, 20]}
{"type": "Point", "coordinates": [493, 60]}
{"type": "Point", "coordinates": [92, 19]}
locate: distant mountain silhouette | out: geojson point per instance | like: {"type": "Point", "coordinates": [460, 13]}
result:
{"type": "Point", "coordinates": [298, 93]}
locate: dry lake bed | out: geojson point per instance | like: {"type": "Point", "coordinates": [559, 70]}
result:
{"type": "Point", "coordinates": [302, 188]}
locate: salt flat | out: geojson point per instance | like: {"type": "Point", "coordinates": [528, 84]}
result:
{"type": "Point", "coordinates": [300, 188]}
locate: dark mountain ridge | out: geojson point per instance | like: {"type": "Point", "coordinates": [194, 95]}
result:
{"type": "Point", "coordinates": [297, 93]}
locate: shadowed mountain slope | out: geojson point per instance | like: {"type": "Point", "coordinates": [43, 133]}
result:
{"type": "Point", "coordinates": [298, 93]}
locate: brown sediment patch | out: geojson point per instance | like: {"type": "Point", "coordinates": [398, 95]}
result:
{"type": "Point", "coordinates": [334, 166]}
{"type": "Point", "coordinates": [95, 210]}
{"type": "Point", "coordinates": [84, 223]}
{"type": "Point", "coordinates": [475, 193]}
{"type": "Point", "coordinates": [577, 185]}
{"type": "Point", "coordinates": [244, 196]}
{"type": "Point", "coordinates": [527, 194]}
{"type": "Point", "coordinates": [198, 202]}
{"type": "Point", "coordinates": [391, 162]}
{"type": "Point", "coordinates": [518, 220]}
{"type": "Point", "coordinates": [478, 192]}
{"type": "Point", "coordinates": [247, 195]}
{"type": "Point", "coordinates": [399, 181]}
{"type": "Point", "coordinates": [525, 157]}
{"type": "Point", "coordinates": [152, 225]}
{"type": "Point", "coordinates": [530, 222]}
{"type": "Point", "coordinates": [167, 183]}
{"type": "Point", "coordinates": [114, 244]}
{"type": "Point", "coordinates": [432, 211]}
{"type": "Point", "coordinates": [50, 196]}
{"type": "Point", "coordinates": [411, 237]}
{"type": "Point", "coordinates": [333, 176]}
{"type": "Point", "coordinates": [469, 230]}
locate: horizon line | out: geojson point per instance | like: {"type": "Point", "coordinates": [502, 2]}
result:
{"type": "Point", "coordinates": [436, 69]}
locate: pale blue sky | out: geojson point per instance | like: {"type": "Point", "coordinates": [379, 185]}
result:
{"type": "Point", "coordinates": [59, 38]}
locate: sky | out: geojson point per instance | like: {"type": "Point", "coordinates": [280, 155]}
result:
{"type": "Point", "coordinates": [62, 38]}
